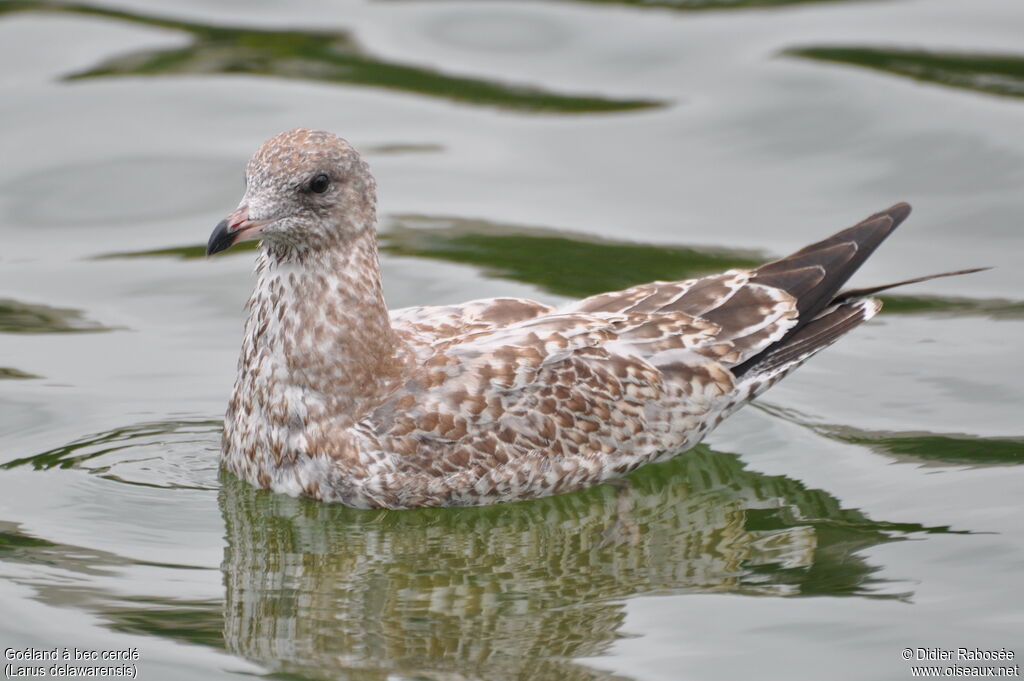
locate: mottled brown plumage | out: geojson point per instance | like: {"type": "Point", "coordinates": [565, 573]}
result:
{"type": "Point", "coordinates": [492, 400]}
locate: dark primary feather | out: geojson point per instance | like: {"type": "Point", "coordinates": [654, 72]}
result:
{"type": "Point", "coordinates": [754, 311]}
{"type": "Point", "coordinates": [814, 276]}
{"type": "Point", "coordinates": [808, 339]}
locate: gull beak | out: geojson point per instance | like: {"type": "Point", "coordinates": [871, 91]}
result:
{"type": "Point", "coordinates": [233, 229]}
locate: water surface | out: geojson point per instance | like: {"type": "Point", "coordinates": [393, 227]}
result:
{"type": "Point", "coordinates": [867, 504]}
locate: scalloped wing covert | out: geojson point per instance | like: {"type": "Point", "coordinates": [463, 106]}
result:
{"type": "Point", "coordinates": [560, 399]}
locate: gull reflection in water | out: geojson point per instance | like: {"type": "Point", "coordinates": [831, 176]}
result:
{"type": "Point", "coordinates": [522, 590]}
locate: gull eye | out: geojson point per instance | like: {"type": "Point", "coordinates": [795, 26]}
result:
{"type": "Point", "coordinates": [319, 184]}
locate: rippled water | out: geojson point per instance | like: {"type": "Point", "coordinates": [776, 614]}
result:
{"type": "Point", "coordinates": [868, 504]}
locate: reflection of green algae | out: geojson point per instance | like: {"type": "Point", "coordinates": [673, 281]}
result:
{"type": "Point", "coordinates": [8, 372]}
{"type": "Point", "coordinates": [12, 539]}
{"type": "Point", "coordinates": [947, 449]}
{"type": "Point", "coordinates": [993, 74]}
{"type": "Point", "coordinates": [195, 622]}
{"type": "Point", "coordinates": [181, 252]}
{"type": "Point", "coordinates": [953, 450]}
{"type": "Point", "coordinates": [699, 5]}
{"type": "Point", "coordinates": [559, 262]}
{"type": "Point", "coordinates": [317, 56]}
{"type": "Point", "coordinates": [198, 622]}
{"type": "Point", "coordinates": [18, 317]}
{"type": "Point", "coordinates": [994, 308]}
{"type": "Point", "coordinates": [576, 266]}
{"type": "Point", "coordinates": [565, 264]}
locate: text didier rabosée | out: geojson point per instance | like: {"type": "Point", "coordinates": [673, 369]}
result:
{"type": "Point", "coordinates": [963, 654]}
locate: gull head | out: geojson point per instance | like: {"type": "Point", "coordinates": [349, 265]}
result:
{"type": "Point", "coordinates": [304, 190]}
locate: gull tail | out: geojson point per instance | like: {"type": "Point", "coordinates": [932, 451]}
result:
{"type": "Point", "coordinates": [852, 293]}
{"type": "Point", "coordinates": [814, 275]}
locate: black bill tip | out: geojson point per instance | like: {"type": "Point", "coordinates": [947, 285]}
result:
{"type": "Point", "coordinates": [221, 239]}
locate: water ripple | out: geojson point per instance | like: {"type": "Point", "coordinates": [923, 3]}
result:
{"type": "Point", "coordinates": [165, 454]}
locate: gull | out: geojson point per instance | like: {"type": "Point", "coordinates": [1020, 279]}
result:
{"type": "Point", "coordinates": [339, 399]}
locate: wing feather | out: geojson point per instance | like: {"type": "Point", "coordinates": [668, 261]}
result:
{"type": "Point", "coordinates": [432, 322]}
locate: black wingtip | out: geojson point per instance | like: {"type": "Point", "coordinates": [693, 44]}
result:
{"type": "Point", "coordinates": [836, 258]}
{"type": "Point", "coordinates": [899, 212]}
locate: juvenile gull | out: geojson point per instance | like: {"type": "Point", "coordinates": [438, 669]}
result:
{"type": "Point", "coordinates": [493, 400]}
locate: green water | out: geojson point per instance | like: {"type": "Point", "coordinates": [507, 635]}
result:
{"type": "Point", "coordinates": [868, 504]}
